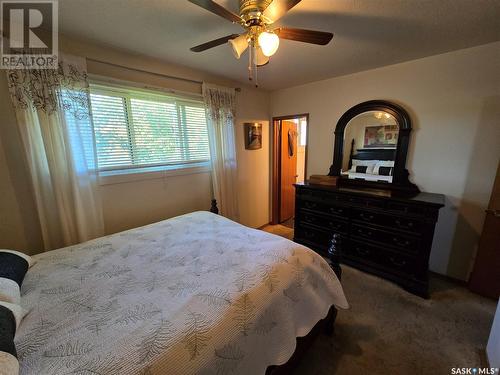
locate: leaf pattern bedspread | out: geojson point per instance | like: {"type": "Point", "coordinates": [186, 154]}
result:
{"type": "Point", "coordinates": [196, 294]}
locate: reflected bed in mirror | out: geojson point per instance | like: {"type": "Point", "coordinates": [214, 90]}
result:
{"type": "Point", "coordinates": [370, 141]}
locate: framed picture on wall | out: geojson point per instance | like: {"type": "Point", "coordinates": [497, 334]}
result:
{"type": "Point", "coordinates": [384, 136]}
{"type": "Point", "coordinates": [253, 135]}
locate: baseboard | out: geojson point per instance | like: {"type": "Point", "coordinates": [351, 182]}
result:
{"type": "Point", "coordinates": [265, 225]}
{"type": "Point", "coordinates": [450, 279]}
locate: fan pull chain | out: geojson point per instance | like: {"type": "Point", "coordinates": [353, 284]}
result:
{"type": "Point", "coordinates": [250, 64]}
{"type": "Point", "coordinates": [255, 66]}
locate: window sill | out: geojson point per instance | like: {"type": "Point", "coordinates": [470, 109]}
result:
{"type": "Point", "coordinates": [121, 176]}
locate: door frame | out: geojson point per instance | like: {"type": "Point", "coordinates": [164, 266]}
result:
{"type": "Point", "coordinates": [276, 162]}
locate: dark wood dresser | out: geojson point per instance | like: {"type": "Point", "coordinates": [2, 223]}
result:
{"type": "Point", "coordinates": [381, 232]}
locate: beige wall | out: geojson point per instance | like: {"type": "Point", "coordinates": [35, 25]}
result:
{"type": "Point", "coordinates": [130, 204]}
{"type": "Point", "coordinates": [454, 102]}
{"type": "Point", "coordinates": [253, 177]}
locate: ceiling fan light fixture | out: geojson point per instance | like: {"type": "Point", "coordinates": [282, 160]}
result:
{"type": "Point", "coordinates": [239, 45]}
{"type": "Point", "coordinates": [261, 59]}
{"type": "Point", "coordinates": [269, 43]}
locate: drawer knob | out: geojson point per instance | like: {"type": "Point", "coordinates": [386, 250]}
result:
{"type": "Point", "coordinates": [398, 262]}
{"type": "Point", "coordinates": [362, 251]}
{"type": "Point", "coordinates": [366, 217]}
{"type": "Point", "coordinates": [310, 205]}
{"type": "Point", "coordinates": [401, 225]}
{"type": "Point", "coordinates": [338, 210]}
{"type": "Point", "coordinates": [400, 243]}
{"type": "Point", "coordinates": [362, 232]}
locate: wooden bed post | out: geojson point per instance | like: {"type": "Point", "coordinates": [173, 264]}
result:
{"type": "Point", "coordinates": [334, 254]}
{"type": "Point", "coordinates": [351, 154]}
{"type": "Point", "coordinates": [213, 208]}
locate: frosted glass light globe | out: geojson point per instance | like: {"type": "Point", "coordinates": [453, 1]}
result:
{"type": "Point", "coordinates": [269, 43]}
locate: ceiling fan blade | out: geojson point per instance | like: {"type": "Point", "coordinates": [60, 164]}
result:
{"type": "Point", "coordinates": [306, 36]}
{"type": "Point", "coordinates": [278, 9]}
{"type": "Point", "coordinates": [215, 8]}
{"type": "Point", "coordinates": [214, 43]}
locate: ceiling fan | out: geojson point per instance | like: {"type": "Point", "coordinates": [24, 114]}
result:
{"type": "Point", "coordinates": [257, 17]}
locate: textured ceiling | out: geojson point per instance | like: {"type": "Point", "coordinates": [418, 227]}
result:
{"type": "Point", "coordinates": [368, 33]}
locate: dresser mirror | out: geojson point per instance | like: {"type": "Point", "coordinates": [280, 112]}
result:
{"type": "Point", "coordinates": [371, 144]}
{"type": "Point", "coordinates": [370, 141]}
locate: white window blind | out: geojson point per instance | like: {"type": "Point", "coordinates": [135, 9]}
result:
{"type": "Point", "coordinates": [137, 129]}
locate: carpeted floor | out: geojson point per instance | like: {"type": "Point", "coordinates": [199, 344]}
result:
{"type": "Point", "coordinates": [280, 230]}
{"type": "Point", "coordinates": [390, 331]}
{"type": "Point", "coordinates": [289, 223]}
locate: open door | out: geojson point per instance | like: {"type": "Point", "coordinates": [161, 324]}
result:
{"type": "Point", "coordinates": [485, 277]}
{"type": "Point", "coordinates": [289, 147]}
{"type": "Point", "coordinates": [288, 175]}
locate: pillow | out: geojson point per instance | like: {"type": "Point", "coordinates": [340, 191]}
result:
{"type": "Point", "coordinates": [361, 168]}
{"type": "Point", "coordinates": [13, 268]}
{"type": "Point", "coordinates": [17, 311]}
{"type": "Point", "coordinates": [370, 164]}
{"type": "Point", "coordinates": [385, 171]}
{"type": "Point", "coordinates": [9, 291]}
{"type": "Point", "coordinates": [26, 257]}
{"type": "Point", "coordinates": [9, 365]}
{"type": "Point", "coordinates": [383, 163]}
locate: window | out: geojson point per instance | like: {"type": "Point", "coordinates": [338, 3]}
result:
{"type": "Point", "coordinates": [137, 129]}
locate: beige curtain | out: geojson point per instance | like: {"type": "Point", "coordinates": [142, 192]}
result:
{"type": "Point", "coordinates": [220, 106]}
{"type": "Point", "coordinates": [53, 114]}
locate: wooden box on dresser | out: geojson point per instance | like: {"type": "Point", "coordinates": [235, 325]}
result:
{"type": "Point", "coordinates": [381, 233]}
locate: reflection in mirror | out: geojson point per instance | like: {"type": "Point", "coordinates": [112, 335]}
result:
{"type": "Point", "coordinates": [370, 141]}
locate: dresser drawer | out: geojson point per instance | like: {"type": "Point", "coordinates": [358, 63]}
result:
{"type": "Point", "coordinates": [406, 209]}
{"type": "Point", "coordinates": [312, 234]}
{"type": "Point", "coordinates": [323, 208]}
{"type": "Point", "coordinates": [333, 224]}
{"type": "Point", "coordinates": [339, 198]}
{"type": "Point", "coordinates": [318, 195]}
{"type": "Point", "coordinates": [379, 257]}
{"type": "Point", "coordinates": [391, 222]}
{"type": "Point", "coordinates": [317, 236]}
{"type": "Point", "coordinates": [362, 201]}
{"type": "Point", "coordinates": [400, 241]}
{"type": "Point", "coordinates": [402, 223]}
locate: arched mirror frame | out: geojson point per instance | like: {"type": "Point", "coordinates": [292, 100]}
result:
{"type": "Point", "coordinates": [400, 180]}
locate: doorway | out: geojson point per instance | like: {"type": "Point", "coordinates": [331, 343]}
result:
{"type": "Point", "coordinates": [290, 136]}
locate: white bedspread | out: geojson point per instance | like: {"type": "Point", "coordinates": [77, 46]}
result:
{"type": "Point", "coordinates": [196, 294]}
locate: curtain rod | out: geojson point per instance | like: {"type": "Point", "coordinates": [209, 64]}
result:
{"type": "Point", "coordinates": [151, 73]}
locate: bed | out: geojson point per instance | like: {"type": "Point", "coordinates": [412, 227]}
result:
{"type": "Point", "coordinates": [375, 164]}
{"type": "Point", "coordinates": [195, 294]}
